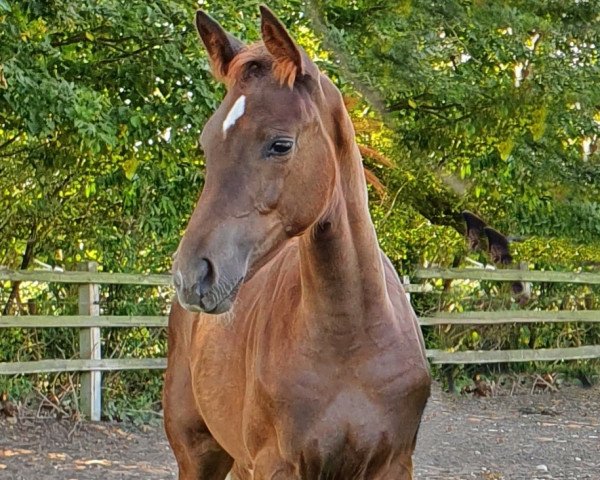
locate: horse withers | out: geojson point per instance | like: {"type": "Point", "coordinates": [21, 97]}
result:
{"type": "Point", "coordinates": [293, 350]}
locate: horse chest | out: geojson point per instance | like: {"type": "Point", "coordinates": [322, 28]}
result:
{"type": "Point", "coordinates": [321, 414]}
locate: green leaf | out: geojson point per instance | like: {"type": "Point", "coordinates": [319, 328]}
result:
{"type": "Point", "coordinates": [135, 121]}
{"type": "Point", "coordinates": [130, 167]}
{"type": "Point", "coordinates": [538, 126]}
{"type": "Point", "coordinates": [505, 148]}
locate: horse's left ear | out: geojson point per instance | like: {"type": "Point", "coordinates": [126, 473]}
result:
{"type": "Point", "coordinates": [221, 46]}
{"type": "Point", "coordinates": [289, 60]}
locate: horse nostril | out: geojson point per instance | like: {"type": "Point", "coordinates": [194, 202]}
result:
{"type": "Point", "coordinates": [205, 276]}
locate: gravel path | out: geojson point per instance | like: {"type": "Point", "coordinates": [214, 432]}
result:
{"type": "Point", "coordinates": [544, 436]}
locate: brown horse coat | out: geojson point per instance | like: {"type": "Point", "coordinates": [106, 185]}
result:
{"type": "Point", "coordinates": [297, 355]}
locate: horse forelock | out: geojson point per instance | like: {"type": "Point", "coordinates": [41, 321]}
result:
{"type": "Point", "coordinates": [283, 71]}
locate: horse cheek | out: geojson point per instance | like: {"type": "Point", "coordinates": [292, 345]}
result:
{"type": "Point", "coordinates": [303, 206]}
{"type": "Point", "coordinates": [272, 193]}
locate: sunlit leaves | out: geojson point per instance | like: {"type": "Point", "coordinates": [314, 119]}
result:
{"type": "Point", "coordinates": [497, 98]}
{"type": "Point", "coordinates": [89, 92]}
{"type": "Point", "coordinates": [129, 167]}
{"type": "Point", "coordinates": [505, 148]}
{"type": "Point", "coordinates": [538, 125]}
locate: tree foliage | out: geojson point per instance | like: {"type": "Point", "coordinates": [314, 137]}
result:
{"type": "Point", "coordinates": [495, 104]}
{"type": "Point", "coordinates": [491, 106]}
{"type": "Point", "coordinates": [99, 113]}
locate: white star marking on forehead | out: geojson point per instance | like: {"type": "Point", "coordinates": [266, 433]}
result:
{"type": "Point", "coordinates": [234, 114]}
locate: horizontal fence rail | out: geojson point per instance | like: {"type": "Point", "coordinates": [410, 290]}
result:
{"type": "Point", "coordinates": [82, 365]}
{"type": "Point", "coordinates": [435, 356]}
{"type": "Point", "coordinates": [90, 321]}
{"type": "Point", "coordinates": [507, 275]}
{"type": "Point", "coordinates": [84, 277]}
{"type": "Point", "coordinates": [511, 316]}
{"type": "Point", "coordinates": [587, 352]}
{"type": "Point", "coordinates": [82, 321]}
{"type": "Point", "coordinates": [440, 318]}
{"type": "Point", "coordinates": [420, 273]}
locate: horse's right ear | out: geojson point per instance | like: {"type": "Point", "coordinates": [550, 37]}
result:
{"type": "Point", "coordinates": [220, 45]}
{"type": "Point", "coordinates": [289, 61]}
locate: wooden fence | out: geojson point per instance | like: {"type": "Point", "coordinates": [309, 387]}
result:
{"type": "Point", "coordinates": [89, 322]}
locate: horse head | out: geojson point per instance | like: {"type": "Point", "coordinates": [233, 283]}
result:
{"type": "Point", "coordinates": [270, 152]}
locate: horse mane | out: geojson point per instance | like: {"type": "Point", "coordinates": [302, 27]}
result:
{"type": "Point", "coordinates": [380, 159]}
{"type": "Point", "coordinates": [256, 54]}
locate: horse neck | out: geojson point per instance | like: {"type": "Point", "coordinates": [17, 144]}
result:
{"type": "Point", "coordinates": [343, 282]}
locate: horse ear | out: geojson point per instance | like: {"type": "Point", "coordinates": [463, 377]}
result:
{"type": "Point", "coordinates": [220, 45]}
{"type": "Point", "coordinates": [498, 246]}
{"type": "Point", "coordinates": [287, 55]}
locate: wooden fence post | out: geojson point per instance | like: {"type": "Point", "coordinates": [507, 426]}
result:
{"type": "Point", "coordinates": [89, 347]}
{"type": "Point", "coordinates": [526, 285]}
{"type": "Point", "coordinates": [405, 282]}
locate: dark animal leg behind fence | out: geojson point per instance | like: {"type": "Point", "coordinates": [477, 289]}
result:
{"type": "Point", "coordinates": [27, 258]}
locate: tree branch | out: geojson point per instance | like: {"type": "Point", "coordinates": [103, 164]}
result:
{"type": "Point", "coordinates": [10, 140]}
{"type": "Point", "coordinates": [20, 150]}
{"type": "Point", "coordinates": [128, 54]}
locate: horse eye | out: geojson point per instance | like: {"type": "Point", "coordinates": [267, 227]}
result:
{"type": "Point", "coordinates": [280, 147]}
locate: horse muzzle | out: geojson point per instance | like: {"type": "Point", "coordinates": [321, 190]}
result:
{"type": "Point", "coordinates": [203, 293]}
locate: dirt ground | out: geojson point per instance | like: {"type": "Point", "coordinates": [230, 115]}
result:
{"type": "Point", "coordinates": [544, 436]}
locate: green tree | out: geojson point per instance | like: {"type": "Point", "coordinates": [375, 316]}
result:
{"type": "Point", "coordinates": [100, 107]}
{"type": "Point", "coordinates": [492, 106]}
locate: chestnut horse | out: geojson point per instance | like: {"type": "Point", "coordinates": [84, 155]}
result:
{"type": "Point", "coordinates": [293, 350]}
